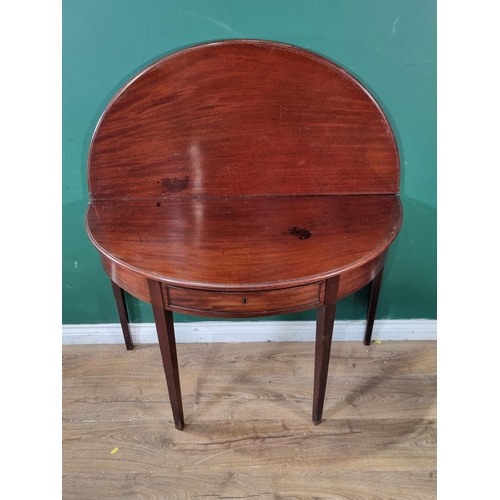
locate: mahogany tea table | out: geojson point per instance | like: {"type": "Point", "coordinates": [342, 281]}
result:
{"type": "Point", "coordinates": [243, 178]}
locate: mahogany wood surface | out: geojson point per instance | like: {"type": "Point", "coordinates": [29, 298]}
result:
{"type": "Point", "coordinates": [235, 243]}
{"type": "Point", "coordinates": [121, 306]}
{"type": "Point", "coordinates": [246, 304]}
{"type": "Point", "coordinates": [242, 117]}
{"type": "Point", "coordinates": [372, 306]}
{"type": "Point", "coordinates": [243, 178]}
{"type": "Point", "coordinates": [325, 316]}
{"type": "Point", "coordinates": [166, 338]}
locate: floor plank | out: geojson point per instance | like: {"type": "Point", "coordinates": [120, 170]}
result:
{"type": "Point", "coordinates": [248, 426]}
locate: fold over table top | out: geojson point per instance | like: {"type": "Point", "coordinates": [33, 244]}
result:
{"type": "Point", "coordinates": [243, 165]}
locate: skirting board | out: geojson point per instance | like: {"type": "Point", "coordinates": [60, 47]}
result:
{"type": "Point", "coordinates": [251, 331]}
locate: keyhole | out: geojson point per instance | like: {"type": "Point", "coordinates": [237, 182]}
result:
{"type": "Point", "coordinates": [244, 300]}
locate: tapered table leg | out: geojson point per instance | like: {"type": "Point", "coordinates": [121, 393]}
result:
{"type": "Point", "coordinates": [325, 317]}
{"type": "Point", "coordinates": [122, 313]}
{"type": "Point", "coordinates": [166, 337]}
{"type": "Point", "coordinates": [372, 306]}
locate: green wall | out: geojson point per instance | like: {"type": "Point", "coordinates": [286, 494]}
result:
{"type": "Point", "coordinates": [389, 45]}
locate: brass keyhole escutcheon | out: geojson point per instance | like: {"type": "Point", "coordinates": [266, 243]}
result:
{"type": "Point", "coordinates": [244, 300]}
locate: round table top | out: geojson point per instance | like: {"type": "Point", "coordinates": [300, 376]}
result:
{"type": "Point", "coordinates": [243, 164]}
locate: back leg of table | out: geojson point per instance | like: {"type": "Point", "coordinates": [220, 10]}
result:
{"type": "Point", "coordinates": [166, 337]}
{"type": "Point", "coordinates": [325, 317]}
{"type": "Point", "coordinates": [122, 313]}
{"type": "Point", "coordinates": [372, 306]}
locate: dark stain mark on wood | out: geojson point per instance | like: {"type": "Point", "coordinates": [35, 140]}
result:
{"type": "Point", "coordinates": [158, 204]}
{"type": "Point", "coordinates": [302, 234]}
{"type": "Point", "coordinates": [175, 185]}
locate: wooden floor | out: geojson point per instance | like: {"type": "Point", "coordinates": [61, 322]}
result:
{"type": "Point", "coordinates": [248, 430]}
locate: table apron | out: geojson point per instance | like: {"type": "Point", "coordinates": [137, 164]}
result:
{"type": "Point", "coordinates": [243, 304]}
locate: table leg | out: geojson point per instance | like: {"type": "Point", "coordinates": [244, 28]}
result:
{"type": "Point", "coordinates": [372, 306]}
{"type": "Point", "coordinates": [325, 317]}
{"type": "Point", "coordinates": [166, 337]}
{"type": "Point", "coordinates": [122, 313]}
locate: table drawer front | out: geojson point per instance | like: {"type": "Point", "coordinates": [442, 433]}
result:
{"type": "Point", "coordinates": [242, 304]}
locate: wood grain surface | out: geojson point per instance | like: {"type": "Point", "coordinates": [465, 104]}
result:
{"type": "Point", "coordinates": [247, 117]}
{"type": "Point", "coordinates": [247, 423]}
{"type": "Point", "coordinates": [236, 165]}
{"type": "Point", "coordinates": [236, 243]}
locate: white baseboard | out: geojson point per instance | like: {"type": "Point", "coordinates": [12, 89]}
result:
{"type": "Point", "coordinates": [251, 331]}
